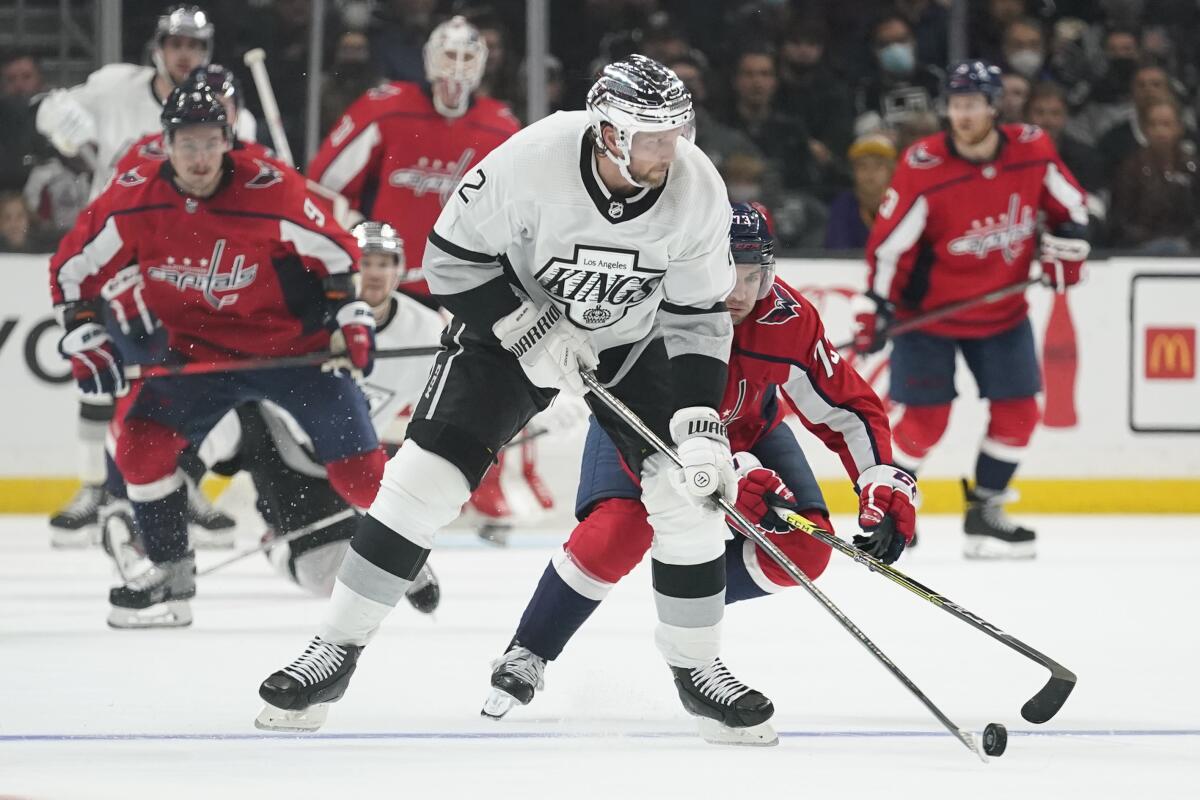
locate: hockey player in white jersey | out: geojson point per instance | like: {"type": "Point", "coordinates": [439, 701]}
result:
{"type": "Point", "coordinates": [592, 240]}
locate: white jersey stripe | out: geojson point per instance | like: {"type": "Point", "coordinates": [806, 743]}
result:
{"type": "Point", "coordinates": [898, 242]}
{"type": "Point", "coordinates": [315, 245]}
{"type": "Point", "coordinates": [817, 409]}
{"type": "Point", "coordinates": [352, 160]}
{"type": "Point", "coordinates": [1061, 190]}
{"type": "Point", "coordinates": [88, 261]}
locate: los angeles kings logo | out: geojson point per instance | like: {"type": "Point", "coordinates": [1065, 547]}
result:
{"type": "Point", "coordinates": [598, 285]}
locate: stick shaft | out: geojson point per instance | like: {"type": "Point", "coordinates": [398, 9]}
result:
{"type": "Point", "coordinates": [779, 557]}
{"type": "Point", "coordinates": [255, 60]}
{"type": "Point", "coordinates": [285, 539]}
{"type": "Point", "coordinates": [135, 371]}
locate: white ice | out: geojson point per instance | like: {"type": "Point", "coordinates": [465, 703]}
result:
{"type": "Point", "coordinates": [88, 712]}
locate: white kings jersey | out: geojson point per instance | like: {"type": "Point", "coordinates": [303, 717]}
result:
{"type": "Point", "coordinates": [396, 383]}
{"type": "Point", "coordinates": [535, 211]}
{"type": "Point", "coordinates": [121, 100]}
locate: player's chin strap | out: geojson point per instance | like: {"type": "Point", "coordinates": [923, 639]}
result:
{"type": "Point", "coordinates": [779, 557]}
{"type": "Point", "coordinates": [1041, 707]}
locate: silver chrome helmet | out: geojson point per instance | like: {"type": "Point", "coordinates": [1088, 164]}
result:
{"type": "Point", "coordinates": [379, 237]}
{"type": "Point", "coordinates": [637, 95]}
{"type": "Point", "coordinates": [457, 54]}
{"type": "Point", "coordinates": [190, 21]}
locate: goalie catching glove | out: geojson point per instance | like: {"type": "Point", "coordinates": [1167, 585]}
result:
{"type": "Point", "coordinates": [703, 447]}
{"type": "Point", "coordinates": [886, 511]}
{"type": "Point", "coordinates": [550, 349]}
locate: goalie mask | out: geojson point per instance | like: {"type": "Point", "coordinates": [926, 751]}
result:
{"type": "Point", "coordinates": [455, 57]}
{"type": "Point", "coordinates": [647, 106]}
{"type": "Point", "coordinates": [188, 21]}
{"type": "Point", "coordinates": [751, 242]}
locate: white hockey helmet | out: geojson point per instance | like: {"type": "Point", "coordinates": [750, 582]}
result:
{"type": "Point", "coordinates": [189, 21]}
{"type": "Point", "coordinates": [456, 54]}
{"type": "Point", "coordinates": [637, 95]}
{"type": "Point", "coordinates": [379, 237]}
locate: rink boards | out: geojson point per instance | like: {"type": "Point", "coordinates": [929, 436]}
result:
{"type": "Point", "coordinates": [1134, 445]}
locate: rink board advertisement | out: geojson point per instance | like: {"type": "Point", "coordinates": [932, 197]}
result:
{"type": "Point", "coordinates": [1133, 441]}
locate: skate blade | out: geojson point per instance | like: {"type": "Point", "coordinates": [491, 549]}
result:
{"type": "Point", "coordinates": [991, 548]}
{"type": "Point", "coordinates": [304, 720]}
{"type": "Point", "coordinates": [79, 539]}
{"type": "Point", "coordinates": [212, 540]}
{"type": "Point", "coordinates": [498, 704]}
{"type": "Point", "coordinates": [714, 732]}
{"type": "Point", "coordinates": [172, 614]}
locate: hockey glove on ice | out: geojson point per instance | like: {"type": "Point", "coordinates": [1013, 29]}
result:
{"type": "Point", "coordinates": [703, 448]}
{"type": "Point", "coordinates": [550, 349]}
{"type": "Point", "coordinates": [1063, 258]}
{"type": "Point", "coordinates": [759, 491]}
{"type": "Point", "coordinates": [886, 511]}
{"type": "Point", "coordinates": [873, 318]}
{"type": "Point", "coordinates": [95, 363]}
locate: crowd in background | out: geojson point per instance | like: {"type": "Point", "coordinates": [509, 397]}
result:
{"type": "Point", "coordinates": [803, 105]}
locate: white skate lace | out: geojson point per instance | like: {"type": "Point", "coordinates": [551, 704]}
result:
{"type": "Point", "coordinates": [85, 501]}
{"type": "Point", "coordinates": [318, 661]}
{"type": "Point", "coordinates": [993, 510]}
{"type": "Point", "coordinates": [715, 682]}
{"type": "Point", "coordinates": [524, 664]}
{"type": "Point", "coordinates": [148, 579]}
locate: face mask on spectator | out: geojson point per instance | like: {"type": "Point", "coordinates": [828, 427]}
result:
{"type": "Point", "coordinates": [897, 58]}
{"type": "Point", "coordinates": [1025, 62]}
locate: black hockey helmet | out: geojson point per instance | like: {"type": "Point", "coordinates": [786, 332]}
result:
{"type": "Point", "coordinates": [751, 242]}
{"type": "Point", "coordinates": [223, 82]}
{"type": "Point", "coordinates": [975, 77]}
{"type": "Point", "coordinates": [193, 105]}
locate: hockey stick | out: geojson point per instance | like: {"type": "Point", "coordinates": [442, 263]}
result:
{"type": "Point", "coordinates": [136, 371]}
{"type": "Point", "coordinates": [1039, 708]}
{"type": "Point", "coordinates": [255, 60]}
{"type": "Point", "coordinates": [779, 557]}
{"type": "Point", "coordinates": [941, 312]}
{"type": "Point", "coordinates": [345, 513]}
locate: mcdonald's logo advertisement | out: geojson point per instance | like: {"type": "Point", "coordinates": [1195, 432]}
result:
{"type": "Point", "coordinates": [1170, 353]}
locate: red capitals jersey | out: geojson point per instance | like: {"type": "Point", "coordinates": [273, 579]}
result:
{"type": "Point", "coordinates": [237, 274]}
{"type": "Point", "coordinates": [949, 229]}
{"type": "Point", "coordinates": [782, 345]}
{"type": "Point", "coordinates": [150, 148]}
{"type": "Point", "coordinates": [397, 160]}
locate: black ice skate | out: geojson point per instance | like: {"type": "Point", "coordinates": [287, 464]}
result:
{"type": "Point", "coordinates": [425, 592]}
{"type": "Point", "coordinates": [298, 696]}
{"type": "Point", "coordinates": [516, 676]}
{"type": "Point", "coordinates": [121, 540]}
{"type": "Point", "coordinates": [208, 527]}
{"type": "Point", "coordinates": [991, 534]}
{"type": "Point", "coordinates": [727, 710]}
{"type": "Point", "coordinates": [69, 526]}
{"type": "Point", "coordinates": [156, 598]}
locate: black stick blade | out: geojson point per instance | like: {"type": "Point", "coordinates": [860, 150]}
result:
{"type": "Point", "coordinates": [1046, 703]}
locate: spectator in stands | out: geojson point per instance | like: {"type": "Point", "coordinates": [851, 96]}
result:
{"type": "Point", "coordinates": [398, 34]}
{"type": "Point", "coordinates": [1150, 85]}
{"type": "Point", "coordinates": [1024, 49]}
{"type": "Point", "coordinates": [810, 89]}
{"type": "Point", "coordinates": [899, 86]}
{"type": "Point", "coordinates": [781, 138]}
{"type": "Point", "coordinates": [1109, 101]}
{"type": "Point", "coordinates": [1016, 95]}
{"type": "Point", "coordinates": [718, 140]}
{"type": "Point", "coordinates": [665, 44]}
{"type": "Point", "coordinates": [929, 20]}
{"type": "Point", "coordinates": [500, 74]}
{"type": "Point", "coordinates": [20, 144]}
{"type": "Point", "coordinates": [987, 29]}
{"type": "Point", "coordinates": [873, 160]}
{"type": "Point", "coordinates": [555, 89]}
{"type": "Point", "coordinates": [1156, 196]}
{"type": "Point", "coordinates": [18, 231]}
{"type": "Point", "coordinates": [348, 77]}
{"type": "Point", "coordinates": [1047, 108]}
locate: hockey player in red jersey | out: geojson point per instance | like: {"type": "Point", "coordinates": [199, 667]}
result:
{"type": "Point", "coordinates": [224, 85]}
{"type": "Point", "coordinates": [961, 219]}
{"type": "Point", "coordinates": [397, 154]}
{"type": "Point", "coordinates": [779, 349]}
{"type": "Point", "coordinates": [238, 262]}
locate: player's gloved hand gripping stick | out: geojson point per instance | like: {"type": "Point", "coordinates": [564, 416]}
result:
{"type": "Point", "coordinates": [754, 534]}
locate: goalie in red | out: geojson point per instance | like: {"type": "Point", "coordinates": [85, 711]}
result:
{"type": "Point", "coordinates": [960, 220]}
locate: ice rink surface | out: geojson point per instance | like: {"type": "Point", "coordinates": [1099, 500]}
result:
{"type": "Point", "coordinates": [89, 712]}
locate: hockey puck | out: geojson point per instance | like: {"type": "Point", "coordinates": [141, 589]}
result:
{"type": "Point", "coordinates": [995, 739]}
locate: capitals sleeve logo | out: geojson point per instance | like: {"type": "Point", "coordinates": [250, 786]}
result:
{"type": "Point", "coordinates": [786, 308]}
{"type": "Point", "coordinates": [598, 285]}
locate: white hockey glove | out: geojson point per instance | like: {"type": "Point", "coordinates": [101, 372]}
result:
{"type": "Point", "coordinates": [703, 448]}
{"type": "Point", "coordinates": [551, 350]}
{"type": "Point", "coordinates": [65, 122]}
